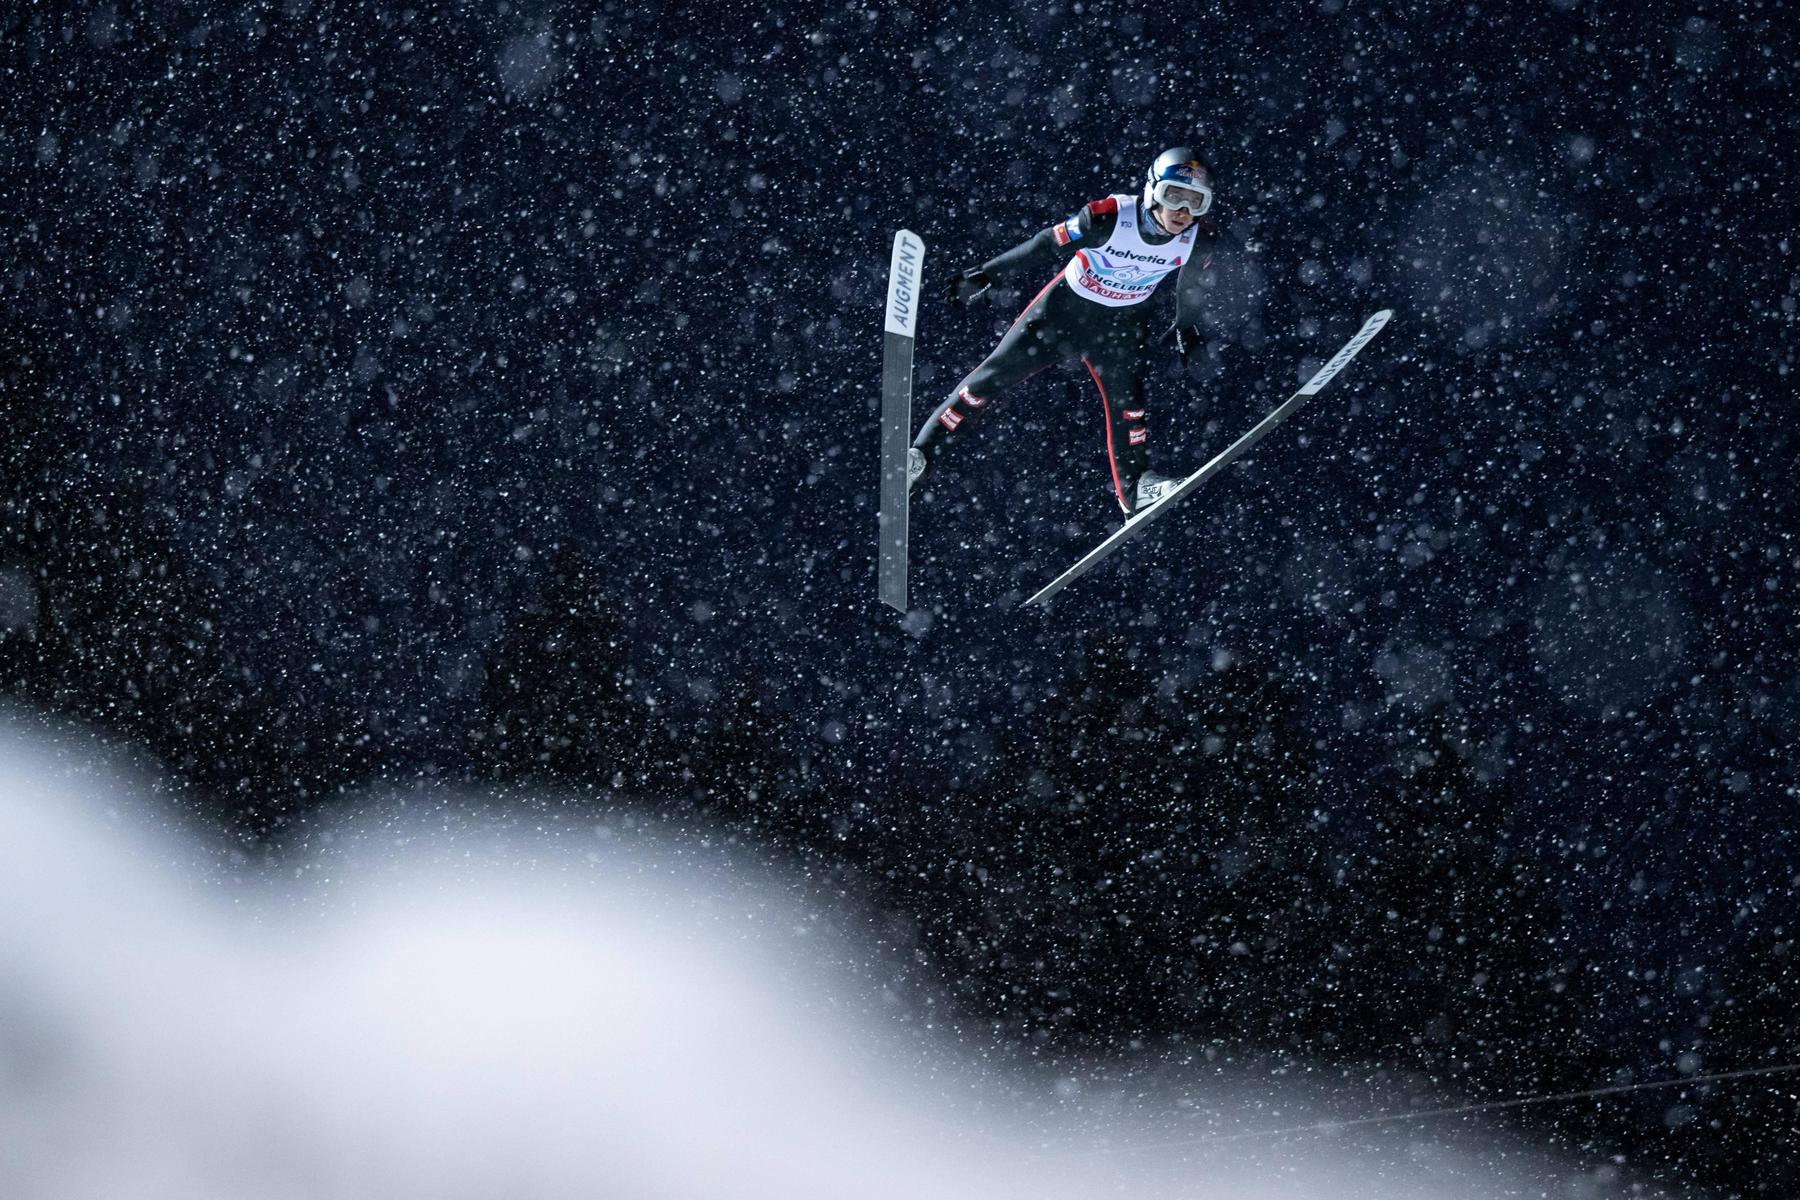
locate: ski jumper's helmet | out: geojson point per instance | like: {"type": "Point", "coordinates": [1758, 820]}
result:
{"type": "Point", "coordinates": [1180, 178]}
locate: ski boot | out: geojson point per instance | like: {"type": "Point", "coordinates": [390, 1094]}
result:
{"type": "Point", "coordinates": [1151, 487]}
{"type": "Point", "coordinates": [915, 467]}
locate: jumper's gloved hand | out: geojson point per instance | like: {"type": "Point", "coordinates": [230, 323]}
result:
{"type": "Point", "coordinates": [968, 286]}
{"type": "Point", "coordinates": [1185, 340]}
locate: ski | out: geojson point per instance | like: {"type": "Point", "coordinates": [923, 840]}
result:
{"type": "Point", "coordinates": [1135, 525]}
{"type": "Point", "coordinates": [904, 272]}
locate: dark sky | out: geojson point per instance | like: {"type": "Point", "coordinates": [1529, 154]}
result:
{"type": "Point", "coordinates": [344, 345]}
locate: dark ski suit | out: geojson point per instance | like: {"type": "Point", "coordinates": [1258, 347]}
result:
{"type": "Point", "coordinates": [1059, 324]}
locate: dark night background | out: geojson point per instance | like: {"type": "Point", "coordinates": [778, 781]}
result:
{"type": "Point", "coordinates": [487, 394]}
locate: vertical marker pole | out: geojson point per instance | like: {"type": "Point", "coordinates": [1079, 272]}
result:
{"type": "Point", "coordinates": [904, 273]}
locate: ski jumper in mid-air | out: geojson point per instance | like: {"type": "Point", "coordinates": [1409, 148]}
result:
{"type": "Point", "coordinates": [1094, 309]}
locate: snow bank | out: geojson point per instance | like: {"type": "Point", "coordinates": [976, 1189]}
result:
{"type": "Point", "coordinates": [438, 1004]}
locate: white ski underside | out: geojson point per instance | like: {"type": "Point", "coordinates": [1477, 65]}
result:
{"type": "Point", "coordinates": [905, 271]}
{"type": "Point", "coordinates": [1223, 459]}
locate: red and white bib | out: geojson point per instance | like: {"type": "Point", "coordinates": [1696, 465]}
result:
{"type": "Point", "coordinates": [1126, 269]}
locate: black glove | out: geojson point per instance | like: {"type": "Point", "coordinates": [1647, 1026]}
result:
{"type": "Point", "coordinates": [967, 286]}
{"type": "Point", "coordinates": [1187, 341]}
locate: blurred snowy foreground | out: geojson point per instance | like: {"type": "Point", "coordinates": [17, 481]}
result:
{"type": "Point", "coordinates": [446, 1001]}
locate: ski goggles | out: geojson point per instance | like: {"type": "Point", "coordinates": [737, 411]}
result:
{"type": "Point", "coordinates": [1191, 195]}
